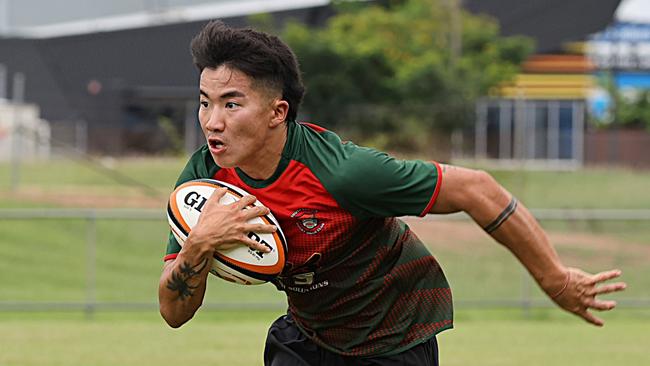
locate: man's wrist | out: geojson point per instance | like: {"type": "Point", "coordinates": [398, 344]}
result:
{"type": "Point", "coordinates": [196, 249]}
{"type": "Point", "coordinates": [554, 283]}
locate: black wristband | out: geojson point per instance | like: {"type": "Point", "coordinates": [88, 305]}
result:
{"type": "Point", "coordinates": [503, 216]}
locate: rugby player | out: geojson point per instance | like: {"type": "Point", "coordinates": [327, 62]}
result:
{"type": "Point", "coordinates": [361, 287]}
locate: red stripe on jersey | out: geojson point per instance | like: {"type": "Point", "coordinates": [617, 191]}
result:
{"type": "Point", "coordinates": [314, 127]}
{"type": "Point", "coordinates": [436, 191]}
{"type": "Point", "coordinates": [169, 257]}
{"type": "Point", "coordinates": [301, 199]}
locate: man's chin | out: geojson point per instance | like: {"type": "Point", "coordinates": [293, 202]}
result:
{"type": "Point", "coordinates": [222, 162]}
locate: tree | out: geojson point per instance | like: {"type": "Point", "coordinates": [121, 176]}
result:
{"type": "Point", "coordinates": [385, 72]}
{"type": "Point", "coordinates": [635, 112]}
{"type": "Point", "coordinates": [625, 108]}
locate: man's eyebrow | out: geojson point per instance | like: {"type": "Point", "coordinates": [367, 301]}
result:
{"type": "Point", "coordinates": [232, 94]}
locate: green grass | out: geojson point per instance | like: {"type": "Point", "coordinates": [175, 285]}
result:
{"type": "Point", "coordinates": [532, 343]}
{"type": "Point", "coordinates": [102, 173]}
{"type": "Point", "coordinates": [588, 188]}
{"type": "Point", "coordinates": [126, 178]}
{"type": "Point", "coordinates": [237, 338]}
{"type": "Point", "coordinates": [47, 261]}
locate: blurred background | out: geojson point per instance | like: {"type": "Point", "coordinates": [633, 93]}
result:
{"type": "Point", "coordinates": [98, 106]}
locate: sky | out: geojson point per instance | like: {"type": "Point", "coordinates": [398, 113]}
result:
{"type": "Point", "coordinates": [634, 10]}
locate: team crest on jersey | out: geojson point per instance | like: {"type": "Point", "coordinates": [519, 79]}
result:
{"type": "Point", "coordinates": [307, 221]}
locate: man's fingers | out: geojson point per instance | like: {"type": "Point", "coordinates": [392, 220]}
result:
{"type": "Point", "coordinates": [604, 276]}
{"type": "Point", "coordinates": [218, 193]}
{"type": "Point", "coordinates": [586, 315]}
{"type": "Point", "coordinates": [602, 305]}
{"type": "Point", "coordinates": [216, 196]}
{"type": "Point", "coordinates": [253, 244]}
{"type": "Point", "coordinates": [261, 228]}
{"type": "Point", "coordinates": [255, 211]}
{"type": "Point", "coordinates": [245, 201]}
{"type": "Point", "coordinates": [246, 241]}
{"type": "Point", "coordinates": [607, 289]}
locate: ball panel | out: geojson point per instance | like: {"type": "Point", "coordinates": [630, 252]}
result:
{"type": "Point", "coordinates": [188, 200]}
{"type": "Point", "coordinates": [175, 226]}
{"type": "Point", "coordinates": [224, 272]}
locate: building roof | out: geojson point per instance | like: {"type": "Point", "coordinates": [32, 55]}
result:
{"type": "Point", "coordinates": [550, 22]}
{"type": "Point", "coordinates": [164, 16]}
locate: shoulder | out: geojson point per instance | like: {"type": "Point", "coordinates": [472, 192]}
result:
{"type": "Point", "coordinates": [322, 151]}
{"type": "Point", "coordinates": [336, 162]}
{"type": "Point", "coordinates": [363, 180]}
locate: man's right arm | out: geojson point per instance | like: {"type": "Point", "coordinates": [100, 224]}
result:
{"type": "Point", "coordinates": [183, 281]}
{"type": "Point", "coordinates": [182, 285]}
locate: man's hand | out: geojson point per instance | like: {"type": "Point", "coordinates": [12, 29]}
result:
{"type": "Point", "coordinates": [226, 226]}
{"type": "Point", "coordinates": [578, 294]}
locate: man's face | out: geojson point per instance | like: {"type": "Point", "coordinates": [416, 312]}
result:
{"type": "Point", "coordinates": [236, 118]}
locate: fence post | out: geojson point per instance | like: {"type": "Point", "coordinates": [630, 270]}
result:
{"type": "Point", "coordinates": [91, 264]}
{"type": "Point", "coordinates": [3, 76]}
{"type": "Point", "coordinates": [81, 136]}
{"type": "Point", "coordinates": [480, 132]}
{"type": "Point", "coordinates": [16, 147]}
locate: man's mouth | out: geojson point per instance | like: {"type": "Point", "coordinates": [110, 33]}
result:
{"type": "Point", "coordinates": [216, 145]}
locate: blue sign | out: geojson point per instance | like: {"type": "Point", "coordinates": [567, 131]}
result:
{"type": "Point", "coordinates": [624, 32]}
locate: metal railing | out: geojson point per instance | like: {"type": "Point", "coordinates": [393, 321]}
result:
{"type": "Point", "coordinates": [92, 216]}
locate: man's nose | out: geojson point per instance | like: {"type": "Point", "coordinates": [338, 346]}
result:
{"type": "Point", "coordinates": [215, 122]}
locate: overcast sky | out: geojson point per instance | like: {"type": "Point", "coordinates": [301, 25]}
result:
{"type": "Point", "coordinates": [634, 11]}
{"type": "Point", "coordinates": [22, 13]}
{"type": "Point", "coordinates": [25, 13]}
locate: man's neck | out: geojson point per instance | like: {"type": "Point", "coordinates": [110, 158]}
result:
{"type": "Point", "coordinates": [269, 155]}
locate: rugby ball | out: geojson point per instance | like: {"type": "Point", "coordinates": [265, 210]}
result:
{"type": "Point", "coordinates": [241, 264]}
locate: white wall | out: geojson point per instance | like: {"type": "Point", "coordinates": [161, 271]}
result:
{"type": "Point", "coordinates": [23, 134]}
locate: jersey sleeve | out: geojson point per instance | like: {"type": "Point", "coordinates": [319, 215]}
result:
{"type": "Point", "coordinates": [200, 165]}
{"type": "Point", "coordinates": [372, 183]}
{"type": "Point", "coordinates": [172, 248]}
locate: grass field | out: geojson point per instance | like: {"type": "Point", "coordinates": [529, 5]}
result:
{"type": "Point", "coordinates": [592, 188]}
{"type": "Point", "coordinates": [237, 338]}
{"type": "Point", "coordinates": [47, 261]}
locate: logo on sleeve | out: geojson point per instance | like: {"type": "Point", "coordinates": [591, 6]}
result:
{"type": "Point", "coordinates": [307, 221]}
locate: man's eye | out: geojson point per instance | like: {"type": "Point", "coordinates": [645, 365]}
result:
{"type": "Point", "coordinates": [204, 104]}
{"type": "Point", "coordinates": [231, 105]}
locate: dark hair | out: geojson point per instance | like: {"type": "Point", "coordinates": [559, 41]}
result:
{"type": "Point", "coordinates": [263, 57]}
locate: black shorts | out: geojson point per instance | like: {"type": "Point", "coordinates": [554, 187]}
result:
{"type": "Point", "coordinates": [287, 346]}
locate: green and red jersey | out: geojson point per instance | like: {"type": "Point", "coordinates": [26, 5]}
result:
{"type": "Point", "coordinates": [358, 281]}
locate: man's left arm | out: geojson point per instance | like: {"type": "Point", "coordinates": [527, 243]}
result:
{"type": "Point", "coordinates": [511, 224]}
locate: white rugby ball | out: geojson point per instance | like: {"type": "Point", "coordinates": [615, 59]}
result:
{"type": "Point", "coordinates": [241, 264]}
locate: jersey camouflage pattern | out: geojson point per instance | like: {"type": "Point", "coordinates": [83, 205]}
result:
{"type": "Point", "coordinates": [358, 281]}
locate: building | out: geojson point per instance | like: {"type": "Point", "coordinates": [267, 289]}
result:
{"type": "Point", "coordinates": [540, 118]}
{"type": "Point", "coordinates": [121, 81]}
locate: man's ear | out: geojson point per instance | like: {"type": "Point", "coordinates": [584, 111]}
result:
{"type": "Point", "coordinates": [280, 111]}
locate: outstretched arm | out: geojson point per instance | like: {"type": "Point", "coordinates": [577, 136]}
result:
{"type": "Point", "coordinates": [511, 224]}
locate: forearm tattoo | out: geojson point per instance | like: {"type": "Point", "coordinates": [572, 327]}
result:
{"type": "Point", "coordinates": [503, 216]}
{"type": "Point", "coordinates": [180, 278]}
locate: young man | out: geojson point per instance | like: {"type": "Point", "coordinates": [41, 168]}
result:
{"type": "Point", "coordinates": [361, 287]}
